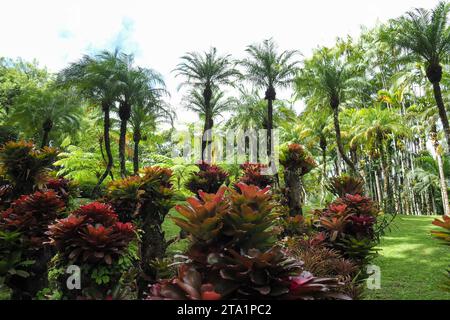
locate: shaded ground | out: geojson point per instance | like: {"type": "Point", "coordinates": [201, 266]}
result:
{"type": "Point", "coordinates": [412, 262]}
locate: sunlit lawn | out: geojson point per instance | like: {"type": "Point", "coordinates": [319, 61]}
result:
{"type": "Point", "coordinates": [412, 262]}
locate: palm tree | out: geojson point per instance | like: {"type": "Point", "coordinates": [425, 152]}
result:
{"type": "Point", "coordinates": [327, 79]}
{"type": "Point", "coordinates": [443, 183]}
{"type": "Point", "coordinates": [250, 112]}
{"type": "Point", "coordinates": [427, 178]}
{"type": "Point", "coordinates": [376, 129]}
{"type": "Point", "coordinates": [46, 109]}
{"type": "Point", "coordinates": [205, 73]}
{"type": "Point", "coordinates": [313, 133]}
{"type": "Point", "coordinates": [268, 69]}
{"type": "Point", "coordinates": [146, 116]}
{"type": "Point", "coordinates": [135, 86]}
{"type": "Point", "coordinates": [425, 36]}
{"type": "Point", "coordinates": [96, 78]}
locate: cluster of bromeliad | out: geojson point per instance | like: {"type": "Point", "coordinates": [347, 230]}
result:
{"type": "Point", "coordinates": [40, 235]}
{"type": "Point", "coordinates": [246, 241]}
{"type": "Point", "coordinates": [233, 254]}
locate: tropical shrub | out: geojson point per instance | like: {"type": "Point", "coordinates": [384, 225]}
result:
{"type": "Point", "coordinates": [295, 157]}
{"type": "Point", "coordinates": [7, 133]}
{"type": "Point", "coordinates": [123, 195]}
{"type": "Point", "coordinates": [209, 178]}
{"type": "Point", "coordinates": [24, 165]}
{"type": "Point", "coordinates": [345, 184]}
{"type": "Point", "coordinates": [12, 260]}
{"type": "Point", "coordinates": [350, 226]}
{"type": "Point", "coordinates": [326, 262]}
{"type": "Point", "coordinates": [252, 175]}
{"type": "Point", "coordinates": [146, 200]}
{"type": "Point", "coordinates": [232, 254]}
{"type": "Point", "coordinates": [61, 186]}
{"type": "Point", "coordinates": [27, 222]}
{"type": "Point", "coordinates": [94, 239]}
{"type": "Point", "coordinates": [187, 285]}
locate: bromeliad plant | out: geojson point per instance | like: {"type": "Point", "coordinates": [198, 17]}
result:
{"type": "Point", "coordinates": [28, 218]}
{"type": "Point", "coordinates": [94, 239]}
{"type": "Point", "coordinates": [232, 254]}
{"type": "Point", "coordinates": [296, 162]}
{"type": "Point", "coordinates": [146, 200]}
{"type": "Point", "coordinates": [350, 223]}
{"type": "Point", "coordinates": [24, 165]}
{"type": "Point", "coordinates": [208, 179]}
{"type": "Point", "coordinates": [253, 175]}
{"type": "Point", "coordinates": [61, 186]}
{"type": "Point", "coordinates": [346, 184]}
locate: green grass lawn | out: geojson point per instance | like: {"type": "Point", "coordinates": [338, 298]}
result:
{"type": "Point", "coordinates": [171, 230]}
{"type": "Point", "coordinates": [412, 263]}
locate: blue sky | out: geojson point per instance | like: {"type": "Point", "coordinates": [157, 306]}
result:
{"type": "Point", "coordinates": [56, 32]}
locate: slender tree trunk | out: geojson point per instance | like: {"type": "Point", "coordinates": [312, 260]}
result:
{"type": "Point", "coordinates": [323, 146]}
{"type": "Point", "coordinates": [378, 188]}
{"type": "Point", "coordinates": [208, 125]}
{"type": "Point", "coordinates": [324, 173]}
{"type": "Point", "coordinates": [341, 151]}
{"type": "Point", "coordinates": [124, 114]}
{"type": "Point", "coordinates": [207, 139]}
{"type": "Point", "coordinates": [100, 144]}
{"type": "Point", "coordinates": [137, 140]}
{"type": "Point", "coordinates": [386, 180]}
{"type": "Point", "coordinates": [442, 181]}
{"type": "Point", "coordinates": [434, 75]}
{"type": "Point", "coordinates": [270, 96]}
{"type": "Point", "coordinates": [46, 127]}
{"type": "Point", "coordinates": [106, 126]}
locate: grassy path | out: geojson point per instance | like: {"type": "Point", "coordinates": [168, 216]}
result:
{"type": "Point", "coordinates": [412, 262]}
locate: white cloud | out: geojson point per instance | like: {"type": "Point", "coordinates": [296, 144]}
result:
{"type": "Point", "coordinates": [159, 32]}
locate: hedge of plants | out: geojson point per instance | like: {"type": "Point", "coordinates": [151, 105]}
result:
{"type": "Point", "coordinates": [248, 239]}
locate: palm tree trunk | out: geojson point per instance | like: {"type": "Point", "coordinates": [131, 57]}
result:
{"type": "Point", "coordinates": [136, 139]}
{"type": "Point", "coordinates": [207, 139]}
{"type": "Point", "coordinates": [386, 180]}
{"type": "Point", "coordinates": [106, 127]}
{"type": "Point", "coordinates": [342, 154]}
{"type": "Point", "coordinates": [442, 181]}
{"type": "Point", "coordinates": [124, 114]}
{"type": "Point", "coordinates": [270, 96]}
{"type": "Point", "coordinates": [46, 127]}
{"type": "Point", "coordinates": [442, 112]}
{"type": "Point", "coordinates": [207, 135]}
{"type": "Point", "coordinates": [378, 187]}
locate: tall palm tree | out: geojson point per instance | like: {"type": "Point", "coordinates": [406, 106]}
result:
{"type": "Point", "coordinates": [327, 78]}
{"type": "Point", "coordinates": [268, 69]}
{"type": "Point", "coordinates": [135, 85]}
{"type": "Point", "coordinates": [205, 73]}
{"type": "Point", "coordinates": [146, 116]}
{"type": "Point", "coordinates": [96, 78]}
{"type": "Point", "coordinates": [425, 36]}
{"type": "Point", "coordinates": [376, 129]}
{"type": "Point", "coordinates": [250, 112]}
{"type": "Point", "coordinates": [427, 177]}
{"type": "Point", "coordinates": [313, 133]}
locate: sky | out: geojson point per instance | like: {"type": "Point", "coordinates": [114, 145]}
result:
{"type": "Point", "coordinates": [57, 32]}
